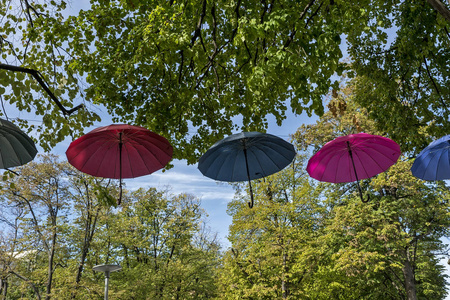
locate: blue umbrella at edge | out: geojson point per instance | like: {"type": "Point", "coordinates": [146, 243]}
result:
{"type": "Point", "coordinates": [433, 162]}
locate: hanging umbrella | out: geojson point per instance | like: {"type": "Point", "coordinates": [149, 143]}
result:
{"type": "Point", "coordinates": [119, 151]}
{"type": "Point", "coordinates": [246, 156]}
{"type": "Point", "coordinates": [16, 148]}
{"type": "Point", "coordinates": [433, 162]}
{"type": "Point", "coordinates": [352, 158]}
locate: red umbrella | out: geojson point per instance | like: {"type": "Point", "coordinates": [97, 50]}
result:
{"type": "Point", "coordinates": [353, 157]}
{"type": "Point", "coordinates": [119, 151]}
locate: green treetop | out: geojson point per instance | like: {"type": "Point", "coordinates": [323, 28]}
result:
{"type": "Point", "coordinates": [194, 70]}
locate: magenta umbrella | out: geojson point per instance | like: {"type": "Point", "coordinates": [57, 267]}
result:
{"type": "Point", "coordinates": [119, 151]}
{"type": "Point", "coordinates": [352, 158]}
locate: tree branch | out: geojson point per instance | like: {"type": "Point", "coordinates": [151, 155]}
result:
{"type": "Point", "coordinates": [435, 85]}
{"type": "Point", "coordinates": [36, 290]}
{"type": "Point", "coordinates": [35, 221]}
{"type": "Point", "coordinates": [440, 8]}
{"type": "Point", "coordinates": [199, 24]}
{"type": "Point", "coordinates": [38, 76]}
{"type": "Point", "coordinates": [294, 31]}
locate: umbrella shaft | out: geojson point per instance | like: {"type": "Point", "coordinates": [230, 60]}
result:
{"type": "Point", "coordinates": [356, 174]}
{"type": "Point", "coordinates": [250, 204]}
{"type": "Point", "coordinates": [353, 162]}
{"type": "Point", "coordinates": [120, 168]}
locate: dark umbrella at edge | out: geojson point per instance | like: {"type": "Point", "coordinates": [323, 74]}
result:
{"type": "Point", "coordinates": [16, 147]}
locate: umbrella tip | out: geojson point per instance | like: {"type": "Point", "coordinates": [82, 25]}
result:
{"type": "Point", "coordinates": [250, 204]}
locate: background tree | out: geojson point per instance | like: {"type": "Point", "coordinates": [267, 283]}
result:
{"type": "Point", "coordinates": [274, 243]}
{"type": "Point", "coordinates": [42, 193]}
{"type": "Point", "coordinates": [394, 240]}
{"type": "Point", "coordinates": [59, 223]}
{"type": "Point", "coordinates": [166, 251]}
{"type": "Point", "coordinates": [326, 243]}
{"type": "Point", "coordinates": [390, 247]}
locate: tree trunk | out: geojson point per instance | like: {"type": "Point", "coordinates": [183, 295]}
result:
{"type": "Point", "coordinates": [410, 284]}
{"type": "Point", "coordinates": [88, 236]}
{"type": "Point", "coordinates": [51, 257]}
{"type": "Point", "coordinates": [79, 271]}
{"type": "Point", "coordinates": [441, 9]}
{"type": "Point", "coordinates": [4, 287]}
{"type": "Point", "coordinates": [284, 283]}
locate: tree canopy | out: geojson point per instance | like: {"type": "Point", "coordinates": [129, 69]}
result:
{"type": "Point", "coordinates": [197, 70]}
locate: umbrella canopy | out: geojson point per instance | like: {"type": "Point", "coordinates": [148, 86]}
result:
{"type": "Point", "coordinates": [119, 151]}
{"type": "Point", "coordinates": [353, 157]}
{"type": "Point", "coordinates": [433, 162]}
{"type": "Point", "coordinates": [245, 156]}
{"type": "Point", "coordinates": [16, 148]}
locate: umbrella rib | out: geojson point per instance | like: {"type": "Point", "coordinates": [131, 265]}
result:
{"type": "Point", "coordinates": [98, 149]}
{"type": "Point", "coordinates": [288, 147]}
{"type": "Point", "coordinates": [358, 176]}
{"type": "Point", "coordinates": [13, 148]}
{"type": "Point", "coordinates": [149, 151]}
{"type": "Point", "coordinates": [126, 153]}
{"type": "Point", "coordinates": [220, 166]}
{"type": "Point", "coordinates": [9, 144]}
{"type": "Point", "coordinates": [133, 175]}
{"type": "Point", "coordinates": [2, 155]}
{"type": "Point", "coordinates": [260, 147]}
{"type": "Point", "coordinates": [433, 157]}
{"type": "Point", "coordinates": [328, 158]}
{"type": "Point", "coordinates": [439, 163]}
{"type": "Point", "coordinates": [233, 170]}
{"type": "Point", "coordinates": [348, 161]}
{"type": "Point", "coordinates": [375, 161]}
{"type": "Point", "coordinates": [278, 152]}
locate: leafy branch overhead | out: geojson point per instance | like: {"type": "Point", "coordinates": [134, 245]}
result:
{"type": "Point", "coordinates": [194, 71]}
{"type": "Point", "coordinates": [44, 85]}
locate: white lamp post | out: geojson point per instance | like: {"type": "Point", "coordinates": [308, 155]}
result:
{"type": "Point", "coordinates": [107, 269]}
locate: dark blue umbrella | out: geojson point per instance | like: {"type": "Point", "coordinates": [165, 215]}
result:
{"type": "Point", "coordinates": [433, 163]}
{"type": "Point", "coordinates": [16, 148]}
{"type": "Point", "coordinates": [246, 156]}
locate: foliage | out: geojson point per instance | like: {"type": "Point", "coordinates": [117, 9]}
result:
{"type": "Point", "coordinates": [167, 253]}
{"type": "Point", "coordinates": [179, 66]}
{"type": "Point", "coordinates": [273, 244]}
{"type": "Point", "coordinates": [57, 225]}
{"type": "Point", "coordinates": [193, 70]}
{"type": "Point", "coordinates": [404, 71]}
{"type": "Point", "coordinates": [29, 39]}
{"type": "Point", "coordinates": [190, 69]}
